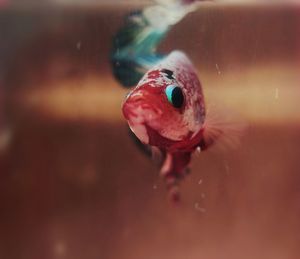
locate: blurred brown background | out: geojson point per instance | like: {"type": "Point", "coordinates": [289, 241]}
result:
{"type": "Point", "coordinates": [72, 183]}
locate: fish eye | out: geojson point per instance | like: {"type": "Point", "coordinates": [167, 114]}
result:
{"type": "Point", "coordinates": [175, 95]}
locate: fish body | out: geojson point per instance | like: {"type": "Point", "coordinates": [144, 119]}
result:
{"type": "Point", "coordinates": [166, 110]}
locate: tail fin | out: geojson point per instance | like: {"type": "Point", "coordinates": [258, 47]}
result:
{"type": "Point", "coordinates": [134, 49]}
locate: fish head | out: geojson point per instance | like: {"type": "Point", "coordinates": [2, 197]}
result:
{"type": "Point", "coordinates": [161, 109]}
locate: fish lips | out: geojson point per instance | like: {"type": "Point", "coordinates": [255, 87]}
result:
{"type": "Point", "coordinates": [141, 113]}
{"type": "Point", "coordinates": [141, 107]}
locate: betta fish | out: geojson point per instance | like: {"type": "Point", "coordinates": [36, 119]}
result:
{"type": "Point", "coordinates": [166, 111]}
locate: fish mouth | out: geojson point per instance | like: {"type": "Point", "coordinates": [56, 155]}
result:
{"type": "Point", "coordinates": [141, 112]}
{"type": "Point", "coordinates": [141, 107]}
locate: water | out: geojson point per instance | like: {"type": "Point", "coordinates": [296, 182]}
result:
{"type": "Point", "coordinates": [73, 185]}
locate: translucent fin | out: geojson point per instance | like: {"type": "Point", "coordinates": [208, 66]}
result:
{"type": "Point", "coordinates": [146, 149]}
{"type": "Point", "coordinates": [157, 156]}
{"type": "Point", "coordinates": [154, 152]}
{"type": "Point", "coordinates": [133, 49]}
{"type": "Point", "coordinates": [223, 128]}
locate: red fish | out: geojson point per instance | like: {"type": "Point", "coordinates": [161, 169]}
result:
{"type": "Point", "coordinates": [166, 111]}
